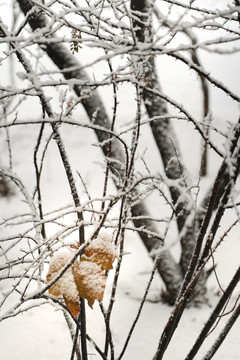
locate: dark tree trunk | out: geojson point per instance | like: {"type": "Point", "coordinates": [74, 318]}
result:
{"type": "Point", "coordinates": [167, 144]}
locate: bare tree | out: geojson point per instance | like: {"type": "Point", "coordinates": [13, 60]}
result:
{"type": "Point", "coordinates": [48, 39]}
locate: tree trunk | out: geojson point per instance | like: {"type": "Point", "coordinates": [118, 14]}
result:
{"type": "Point", "coordinates": [167, 144]}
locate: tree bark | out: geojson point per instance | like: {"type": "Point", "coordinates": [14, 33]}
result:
{"type": "Point", "coordinates": [167, 144]}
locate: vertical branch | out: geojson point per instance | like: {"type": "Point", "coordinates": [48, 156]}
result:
{"type": "Point", "coordinates": [197, 261]}
{"type": "Point", "coordinates": [206, 96]}
{"type": "Point", "coordinates": [223, 334]}
{"type": "Point", "coordinates": [109, 155]}
{"type": "Point", "coordinates": [46, 107]}
{"type": "Point", "coordinates": [207, 327]}
{"type": "Point", "coordinates": [165, 137]}
{"type": "Point", "coordinates": [120, 235]}
{"type": "Point", "coordinates": [38, 176]}
{"type": "Point", "coordinates": [204, 84]}
{"type": "Point", "coordinates": [204, 157]}
{"type": "Point", "coordinates": [74, 335]}
{"type": "Point", "coordinates": [123, 218]}
{"type": "Point", "coordinates": [140, 309]}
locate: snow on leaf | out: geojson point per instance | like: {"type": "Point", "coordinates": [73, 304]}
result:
{"type": "Point", "coordinates": [90, 280]}
{"type": "Point", "coordinates": [86, 278]}
{"type": "Point", "coordinates": [65, 286]}
{"type": "Point", "coordinates": [102, 251]}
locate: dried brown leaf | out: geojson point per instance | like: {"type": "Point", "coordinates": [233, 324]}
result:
{"type": "Point", "coordinates": [73, 307]}
{"type": "Point", "coordinates": [102, 251]}
{"type": "Point", "coordinates": [90, 281]}
{"type": "Point", "coordinates": [64, 286]}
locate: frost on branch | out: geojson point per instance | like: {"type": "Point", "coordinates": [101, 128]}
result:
{"type": "Point", "coordinates": [65, 286]}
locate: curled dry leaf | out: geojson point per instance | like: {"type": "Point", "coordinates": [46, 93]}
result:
{"type": "Point", "coordinates": [73, 307]}
{"type": "Point", "coordinates": [86, 278]}
{"type": "Point", "coordinates": [102, 251]}
{"type": "Point", "coordinates": [90, 281]}
{"type": "Point", "coordinates": [65, 286]}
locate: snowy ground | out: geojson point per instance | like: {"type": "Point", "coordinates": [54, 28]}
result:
{"type": "Point", "coordinates": [42, 333]}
